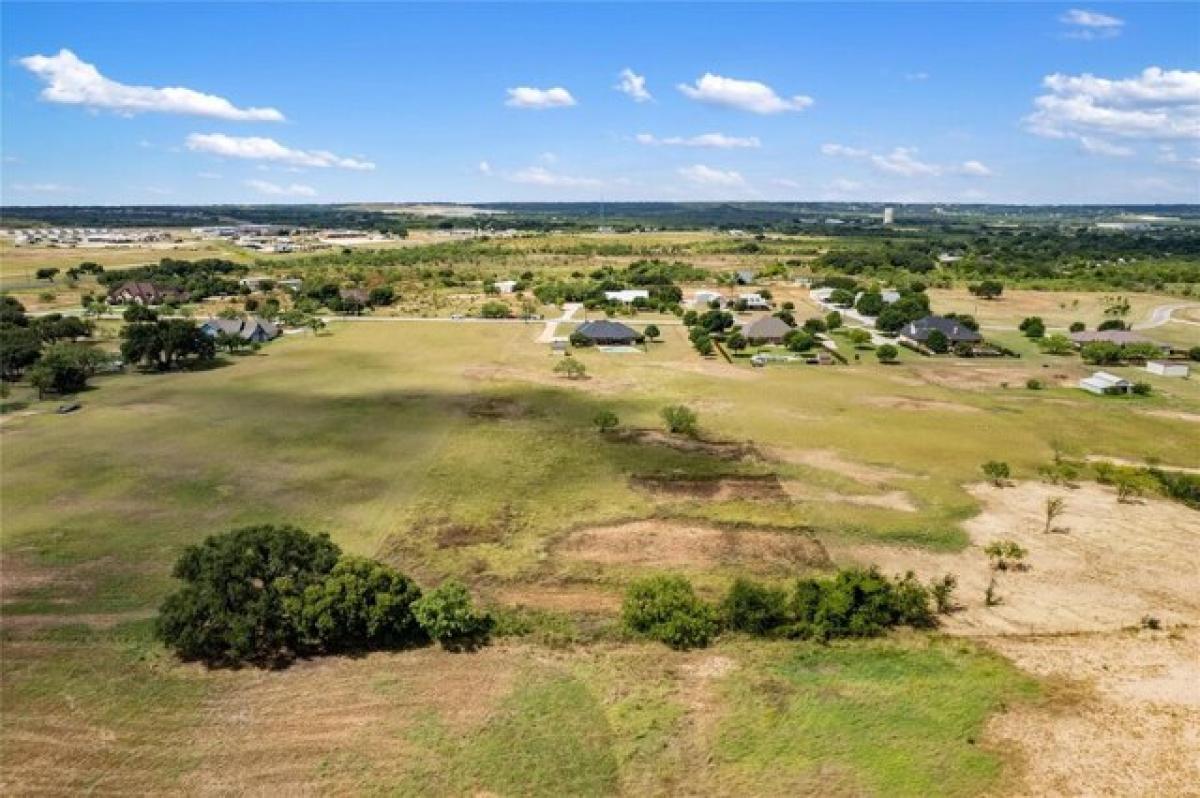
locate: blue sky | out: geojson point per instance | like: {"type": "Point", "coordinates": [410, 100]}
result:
{"type": "Point", "coordinates": [454, 102]}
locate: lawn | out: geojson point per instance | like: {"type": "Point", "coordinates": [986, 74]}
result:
{"type": "Point", "coordinates": [455, 450]}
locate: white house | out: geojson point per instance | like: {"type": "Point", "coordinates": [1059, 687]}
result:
{"type": "Point", "coordinates": [703, 298]}
{"type": "Point", "coordinates": [1167, 368]}
{"type": "Point", "coordinates": [1103, 383]}
{"type": "Point", "coordinates": [627, 296]}
{"type": "Point", "coordinates": [754, 301]}
{"type": "Point", "coordinates": [505, 286]}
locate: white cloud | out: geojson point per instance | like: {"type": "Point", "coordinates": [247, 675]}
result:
{"type": "Point", "coordinates": [484, 168]}
{"type": "Point", "coordinates": [717, 141]}
{"type": "Point", "coordinates": [745, 95]}
{"type": "Point", "coordinates": [903, 161]}
{"type": "Point", "coordinates": [548, 158]}
{"type": "Point", "coordinates": [45, 188]}
{"type": "Point", "coordinates": [1169, 155]}
{"type": "Point", "coordinates": [540, 176]}
{"type": "Point", "coordinates": [975, 168]}
{"type": "Point", "coordinates": [707, 176]}
{"type": "Point", "coordinates": [1097, 146]}
{"type": "Point", "coordinates": [633, 85]}
{"type": "Point", "coordinates": [539, 99]}
{"type": "Point", "coordinates": [275, 190]}
{"type": "Point", "coordinates": [75, 82]}
{"type": "Point", "coordinates": [1155, 104]}
{"type": "Point", "coordinates": [258, 148]}
{"type": "Point", "coordinates": [1091, 24]}
{"type": "Point", "coordinates": [843, 151]}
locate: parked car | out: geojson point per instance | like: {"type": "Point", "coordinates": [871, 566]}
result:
{"type": "Point", "coordinates": [69, 407]}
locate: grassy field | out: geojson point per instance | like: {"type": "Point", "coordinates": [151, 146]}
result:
{"type": "Point", "coordinates": [454, 450]}
{"type": "Point", "coordinates": [1056, 308]}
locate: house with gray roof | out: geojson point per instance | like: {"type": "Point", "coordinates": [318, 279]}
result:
{"type": "Point", "coordinates": [251, 328]}
{"type": "Point", "coordinates": [605, 332]}
{"type": "Point", "coordinates": [955, 331]}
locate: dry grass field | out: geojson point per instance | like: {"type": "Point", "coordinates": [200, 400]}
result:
{"type": "Point", "coordinates": [453, 449]}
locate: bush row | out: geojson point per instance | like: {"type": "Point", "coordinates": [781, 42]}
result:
{"type": "Point", "coordinates": [854, 602]}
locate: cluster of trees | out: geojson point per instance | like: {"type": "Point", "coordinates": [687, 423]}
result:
{"type": "Point", "coordinates": [658, 277]}
{"type": "Point", "coordinates": [164, 344]}
{"type": "Point", "coordinates": [852, 603]}
{"type": "Point", "coordinates": [321, 292]}
{"type": "Point", "coordinates": [266, 594]}
{"type": "Point", "coordinates": [1103, 353]}
{"type": "Point", "coordinates": [199, 278]}
{"type": "Point", "coordinates": [868, 300]}
{"type": "Point", "coordinates": [45, 348]}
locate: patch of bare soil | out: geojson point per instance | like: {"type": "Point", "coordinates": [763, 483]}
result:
{"type": "Point", "coordinates": [829, 460]}
{"type": "Point", "coordinates": [692, 544]}
{"type": "Point", "coordinates": [593, 384]}
{"type": "Point", "coordinates": [561, 598]}
{"type": "Point", "coordinates": [972, 377]}
{"type": "Point", "coordinates": [264, 732]}
{"type": "Point", "coordinates": [766, 487]}
{"type": "Point", "coordinates": [1134, 729]}
{"type": "Point", "coordinates": [1111, 565]}
{"type": "Point", "coordinates": [889, 500]}
{"type": "Point", "coordinates": [725, 450]}
{"type": "Point", "coordinates": [497, 408]}
{"type": "Point", "coordinates": [1122, 461]}
{"type": "Point", "coordinates": [910, 403]}
{"type": "Point", "coordinates": [1176, 414]}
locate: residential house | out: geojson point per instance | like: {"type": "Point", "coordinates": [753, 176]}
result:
{"type": "Point", "coordinates": [766, 330]}
{"type": "Point", "coordinates": [252, 328]}
{"type": "Point", "coordinates": [505, 286]}
{"type": "Point", "coordinates": [703, 299]}
{"type": "Point", "coordinates": [918, 331]}
{"type": "Point", "coordinates": [745, 276]}
{"type": "Point", "coordinates": [607, 332]}
{"type": "Point", "coordinates": [754, 301]}
{"type": "Point", "coordinates": [359, 295]}
{"type": "Point", "coordinates": [1105, 384]}
{"type": "Point", "coordinates": [145, 294]}
{"type": "Point", "coordinates": [1168, 368]}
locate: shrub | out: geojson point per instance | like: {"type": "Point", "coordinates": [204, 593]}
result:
{"type": "Point", "coordinates": [1142, 388]}
{"type": "Point", "coordinates": [798, 340]}
{"type": "Point", "coordinates": [887, 353]}
{"type": "Point", "coordinates": [942, 591]}
{"type": "Point", "coordinates": [938, 342]}
{"type": "Point", "coordinates": [667, 609]}
{"type": "Point", "coordinates": [238, 586]}
{"type": "Point", "coordinates": [1111, 324]}
{"type": "Point", "coordinates": [579, 339]}
{"type": "Point", "coordinates": [1034, 384]}
{"type": "Point", "coordinates": [996, 471]}
{"type": "Point", "coordinates": [1101, 353]}
{"type": "Point", "coordinates": [651, 332]}
{"type": "Point", "coordinates": [1033, 327]}
{"type": "Point", "coordinates": [859, 337]}
{"type": "Point", "coordinates": [360, 604]}
{"type": "Point", "coordinates": [495, 310]}
{"type": "Point", "coordinates": [1056, 344]}
{"type": "Point", "coordinates": [448, 616]}
{"type": "Point", "coordinates": [1005, 554]}
{"type": "Point", "coordinates": [754, 608]}
{"type": "Point", "coordinates": [606, 420]}
{"type": "Point", "coordinates": [680, 419]}
{"type": "Point", "coordinates": [1077, 326]}
{"type": "Point", "coordinates": [1194, 354]}
{"type": "Point", "coordinates": [857, 603]}
{"type": "Point", "coordinates": [571, 368]}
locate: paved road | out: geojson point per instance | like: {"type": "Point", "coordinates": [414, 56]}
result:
{"type": "Point", "coordinates": [1162, 315]}
{"type": "Point", "coordinates": [569, 310]}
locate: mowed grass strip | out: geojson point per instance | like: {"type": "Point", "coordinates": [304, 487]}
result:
{"type": "Point", "coordinates": [890, 717]}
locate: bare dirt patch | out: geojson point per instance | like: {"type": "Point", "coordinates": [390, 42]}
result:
{"type": "Point", "coordinates": [1115, 563]}
{"type": "Point", "coordinates": [971, 377]}
{"type": "Point", "coordinates": [495, 408]}
{"type": "Point", "coordinates": [561, 598]}
{"type": "Point", "coordinates": [889, 500]}
{"type": "Point", "coordinates": [686, 544]}
{"type": "Point", "coordinates": [924, 405]}
{"type": "Point", "coordinates": [264, 732]}
{"type": "Point", "coordinates": [829, 460]}
{"type": "Point", "coordinates": [1134, 730]}
{"type": "Point", "coordinates": [766, 487]}
{"type": "Point", "coordinates": [724, 450]}
{"type": "Point", "coordinates": [1176, 414]}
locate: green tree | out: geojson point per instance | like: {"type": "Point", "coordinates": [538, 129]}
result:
{"type": "Point", "coordinates": [753, 608]}
{"type": "Point", "coordinates": [578, 339]}
{"type": "Point", "coordinates": [571, 368]}
{"type": "Point", "coordinates": [887, 353]}
{"type": "Point", "coordinates": [870, 303]}
{"type": "Point", "coordinates": [1101, 353]}
{"type": "Point", "coordinates": [240, 592]}
{"type": "Point", "coordinates": [46, 274]}
{"type": "Point", "coordinates": [166, 343]}
{"type": "Point", "coordinates": [360, 604]}
{"type": "Point", "coordinates": [606, 420]}
{"type": "Point", "coordinates": [736, 341]}
{"type": "Point", "coordinates": [680, 420]}
{"type": "Point", "coordinates": [937, 342]}
{"type": "Point", "coordinates": [1033, 327]}
{"type": "Point", "coordinates": [667, 609]}
{"type": "Point", "coordinates": [858, 337]}
{"type": "Point", "coordinates": [136, 311]}
{"type": "Point", "coordinates": [1056, 344]}
{"type": "Point", "coordinates": [495, 310]}
{"type": "Point", "coordinates": [651, 332]}
{"type": "Point", "coordinates": [381, 296]}
{"type": "Point", "coordinates": [987, 289]}
{"type": "Point", "coordinates": [1005, 554]}
{"type": "Point", "coordinates": [448, 616]}
{"type": "Point", "coordinates": [798, 340]}
{"type": "Point", "coordinates": [833, 320]}
{"type": "Point", "coordinates": [997, 472]}
{"type": "Point", "coordinates": [20, 347]}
